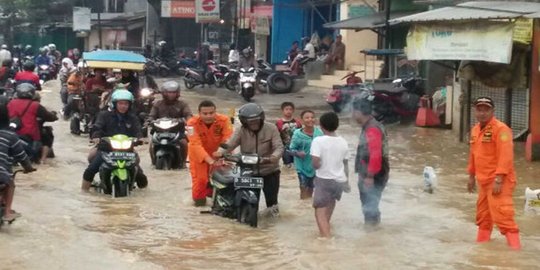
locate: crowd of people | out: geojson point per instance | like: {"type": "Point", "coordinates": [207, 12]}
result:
{"type": "Point", "coordinates": [318, 154]}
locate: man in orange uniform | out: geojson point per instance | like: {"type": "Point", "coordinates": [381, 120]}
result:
{"type": "Point", "coordinates": [491, 164]}
{"type": "Point", "coordinates": [206, 132]}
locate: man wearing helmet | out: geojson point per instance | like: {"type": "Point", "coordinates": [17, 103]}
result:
{"type": "Point", "coordinates": [260, 137]}
{"type": "Point", "coordinates": [43, 58]}
{"type": "Point", "coordinates": [109, 123]}
{"type": "Point", "coordinates": [5, 54]}
{"type": "Point", "coordinates": [55, 54]}
{"type": "Point", "coordinates": [28, 111]}
{"type": "Point", "coordinates": [171, 107]}
{"type": "Point", "coordinates": [28, 75]}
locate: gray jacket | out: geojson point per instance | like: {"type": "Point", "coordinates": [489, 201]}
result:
{"type": "Point", "coordinates": [266, 143]}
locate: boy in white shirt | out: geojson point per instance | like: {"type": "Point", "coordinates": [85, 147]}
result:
{"type": "Point", "coordinates": [329, 157]}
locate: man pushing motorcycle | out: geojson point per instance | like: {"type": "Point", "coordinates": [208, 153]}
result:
{"type": "Point", "coordinates": [119, 120]}
{"type": "Point", "coordinates": [206, 132]}
{"type": "Point", "coordinates": [171, 107]}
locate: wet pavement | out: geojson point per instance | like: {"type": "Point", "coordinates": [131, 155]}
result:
{"type": "Point", "coordinates": [158, 228]}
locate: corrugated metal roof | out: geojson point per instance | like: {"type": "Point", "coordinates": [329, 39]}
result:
{"type": "Point", "coordinates": [375, 20]}
{"type": "Point", "coordinates": [474, 11]}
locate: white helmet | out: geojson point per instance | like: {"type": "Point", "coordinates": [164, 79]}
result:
{"type": "Point", "coordinates": [161, 43]}
{"type": "Point", "coordinates": [52, 47]}
{"type": "Point", "coordinates": [4, 46]}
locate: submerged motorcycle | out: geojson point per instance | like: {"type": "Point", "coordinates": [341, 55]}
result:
{"type": "Point", "coordinates": [119, 170]}
{"type": "Point", "coordinates": [341, 96]}
{"type": "Point", "coordinates": [166, 134]}
{"type": "Point", "coordinates": [45, 73]}
{"type": "Point", "coordinates": [235, 189]}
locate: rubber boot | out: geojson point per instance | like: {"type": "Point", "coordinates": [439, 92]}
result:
{"type": "Point", "coordinates": [512, 238]}
{"type": "Point", "coordinates": [483, 235]}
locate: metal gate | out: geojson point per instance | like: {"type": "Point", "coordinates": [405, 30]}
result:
{"type": "Point", "coordinates": [511, 106]}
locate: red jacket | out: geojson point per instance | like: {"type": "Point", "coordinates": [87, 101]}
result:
{"type": "Point", "coordinates": [29, 122]}
{"type": "Point", "coordinates": [28, 77]}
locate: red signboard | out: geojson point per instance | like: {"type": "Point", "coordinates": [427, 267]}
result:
{"type": "Point", "coordinates": [182, 9]}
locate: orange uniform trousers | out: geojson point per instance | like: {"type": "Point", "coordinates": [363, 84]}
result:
{"type": "Point", "coordinates": [203, 141]}
{"type": "Point", "coordinates": [496, 209]}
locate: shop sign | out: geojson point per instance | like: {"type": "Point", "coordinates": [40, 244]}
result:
{"type": "Point", "coordinates": [81, 19]}
{"type": "Point", "coordinates": [177, 9]}
{"type": "Point", "coordinates": [477, 41]}
{"type": "Point", "coordinates": [206, 11]}
{"type": "Point", "coordinates": [262, 26]}
{"type": "Point", "coordinates": [523, 29]}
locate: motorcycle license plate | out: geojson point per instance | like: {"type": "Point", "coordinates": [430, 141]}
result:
{"type": "Point", "coordinates": [122, 156]}
{"type": "Point", "coordinates": [248, 182]}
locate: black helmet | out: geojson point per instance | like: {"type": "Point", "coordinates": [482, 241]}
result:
{"type": "Point", "coordinates": [250, 111]}
{"type": "Point", "coordinates": [25, 91]}
{"type": "Point", "coordinates": [29, 66]}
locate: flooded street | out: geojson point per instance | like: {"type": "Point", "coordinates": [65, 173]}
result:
{"type": "Point", "coordinates": [158, 228]}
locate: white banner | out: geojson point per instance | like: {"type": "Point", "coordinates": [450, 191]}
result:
{"type": "Point", "coordinates": [206, 11]}
{"type": "Point", "coordinates": [482, 41]}
{"type": "Point", "coordinates": [81, 19]}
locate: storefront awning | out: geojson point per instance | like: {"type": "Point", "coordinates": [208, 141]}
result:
{"type": "Point", "coordinates": [375, 20]}
{"type": "Point", "coordinates": [480, 10]}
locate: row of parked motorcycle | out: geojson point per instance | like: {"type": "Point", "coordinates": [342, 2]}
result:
{"type": "Point", "coordinates": [392, 101]}
{"type": "Point", "coordinates": [245, 81]}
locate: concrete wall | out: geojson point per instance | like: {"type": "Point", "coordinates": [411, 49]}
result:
{"type": "Point", "coordinates": [356, 41]}
{"type": "Point", "coordinates": [135, 5]}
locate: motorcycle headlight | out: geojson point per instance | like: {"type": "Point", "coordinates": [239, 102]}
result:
{"type": "Point", "coordinates": [121, 145]}
{"type": "Point", "coordinates": [250, 159]}
{"type": "Point", "coordinates": [146, 92]}
{"type": "Point", "coordinates": [247, 85]}
{"type": "Point", "coordinates": [43, 66]}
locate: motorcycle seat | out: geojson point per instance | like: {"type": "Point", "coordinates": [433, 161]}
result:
{"type": "Point", "coordinates": [221, 178]}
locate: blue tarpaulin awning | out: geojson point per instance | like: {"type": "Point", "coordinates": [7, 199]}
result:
{"type": "Point", "coordinates": [114, 59]}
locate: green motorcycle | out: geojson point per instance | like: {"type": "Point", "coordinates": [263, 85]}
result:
{"type": "Point", "coordinates": [118, 172]}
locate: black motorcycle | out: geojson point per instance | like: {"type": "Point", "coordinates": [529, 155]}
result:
{"type": "Point", "coordinates": [236, 189]}
{"type": "Point", "coordinates": [85, 109]}
{"type": "Point", "coordinates": [230, 79]}
{"type": "Point", "coordinates": [143, 106]}
{"type": "Point", "coordinates": [166, 134]}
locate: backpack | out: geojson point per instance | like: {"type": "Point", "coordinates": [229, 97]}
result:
{"type": "Point", "coordinates": [16, 122]}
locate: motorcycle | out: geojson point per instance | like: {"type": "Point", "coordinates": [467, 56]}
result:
{"type": "Point", "coordinates": [235, 188]}
{"type": "Point", "coordinates": [119, 170]}
{"type": "Point", "coordinates": [45, 73]}
{"type": "Point", "coordinates": [194, 77]}
{"type": "Point", "coordinates": [86, 108]}
{"type": "Point", "coordinates": [399, 101]}
{"type": "Point", "coordinates": [8, 89]}
{"type": "Point", "coordinates": [247, 82]}
{"type": "Point", "coordinates": [151, 67]}
{"type": "Point", "coordinates": [143, 105]}
{"type": "Point", "coordinates": [166, 134]}
{"type": "Point", "coordinates": [230, 79]}
{"type": "Point", "coordinates": [342, 95]}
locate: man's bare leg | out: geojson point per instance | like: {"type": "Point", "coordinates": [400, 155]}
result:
{"type": "Point", "coordinates": [321, 217]}
{"type": "Point", "coordinates": [8, 194]}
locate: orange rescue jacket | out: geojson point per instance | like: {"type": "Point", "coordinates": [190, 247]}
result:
{"type": "Point", "coordinates": [491, 152]}
{"type": "Point", "coordinates": [204, 140]}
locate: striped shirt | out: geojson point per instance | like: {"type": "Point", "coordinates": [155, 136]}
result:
{"type": "Point", "coordinates": [11, 150]}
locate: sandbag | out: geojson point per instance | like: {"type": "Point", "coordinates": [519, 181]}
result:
{"type": "Point", "coordinates": [430, 179]}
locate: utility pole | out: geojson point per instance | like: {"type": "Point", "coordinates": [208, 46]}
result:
{"type": "Point", "coordinates": [387, 37]}
{"type": "Point", "coordinates": [99, 29]}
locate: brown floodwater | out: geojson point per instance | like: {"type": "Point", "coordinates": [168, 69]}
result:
{"type": "Point", "coordinates": [156, 228]}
